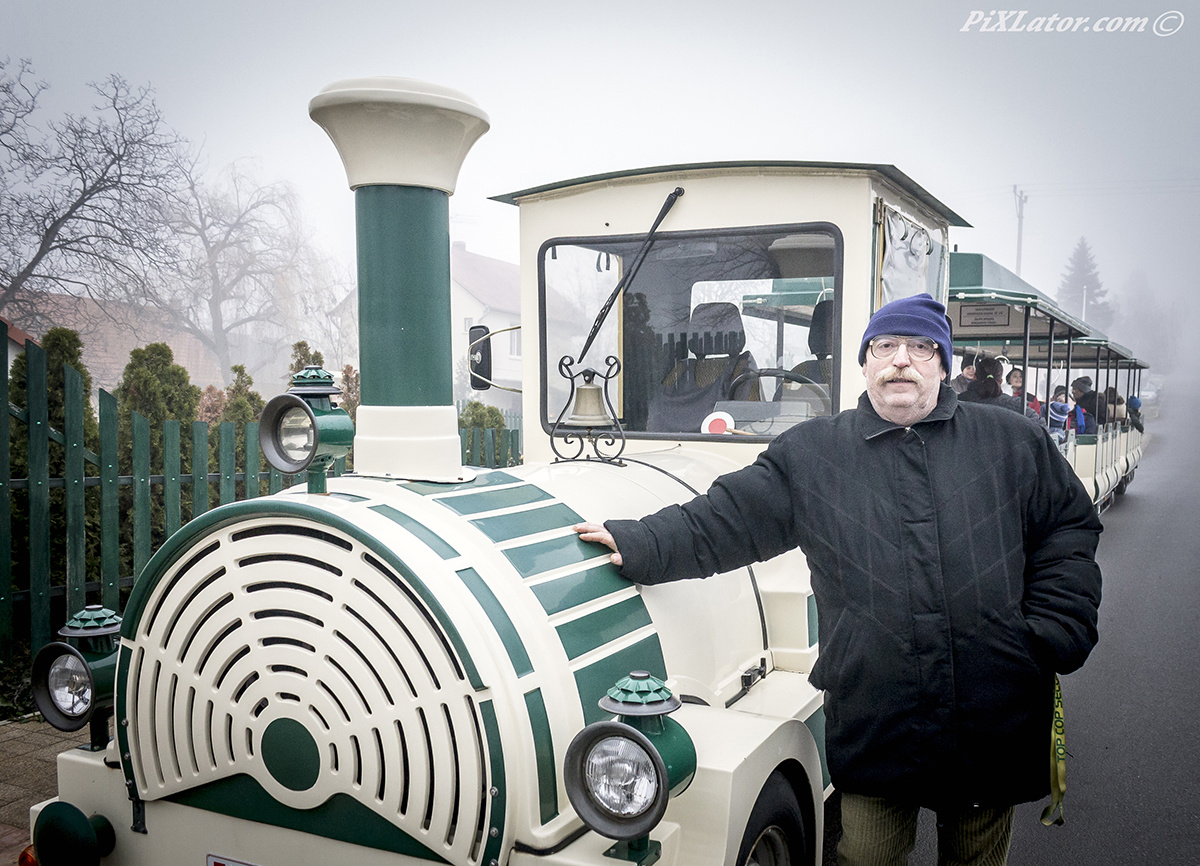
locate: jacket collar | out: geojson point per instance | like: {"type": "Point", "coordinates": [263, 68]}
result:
{"type": "Point", "coordinates": [871, 425]}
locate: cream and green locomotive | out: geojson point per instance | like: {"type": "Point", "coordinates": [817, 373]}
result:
{"type": "Point", "coordinates": [420, 661]}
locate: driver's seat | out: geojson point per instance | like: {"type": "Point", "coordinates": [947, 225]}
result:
{"type": "Point", "coordinates": [689, 392]}
{"type": "Point", "coordinates": [819, 368]}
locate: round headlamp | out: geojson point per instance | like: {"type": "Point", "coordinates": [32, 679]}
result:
{"type": "Point", "coordinates": [68, 688]}
{"type": "Point", "coordinates": [69, 683]}
{"type": "Point", "coordinates": [616, 780]}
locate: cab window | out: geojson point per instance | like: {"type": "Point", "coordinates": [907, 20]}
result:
{"type": "Point", "coordinates": [734, 328]}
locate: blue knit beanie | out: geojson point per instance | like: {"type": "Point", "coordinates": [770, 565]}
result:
{"type": "Point", "coordinates": [918, 316]}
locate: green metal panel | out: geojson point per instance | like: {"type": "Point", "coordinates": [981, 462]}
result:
{"type": "Point", "coordinates": [110, 505]}
{"type": "Point", "coordinates": [564, 593]}
{"type": "Point", "coordinates": [543, 749]}
{"type": "Point", "coordinates": [484, 479]}
{"type": "Point", "coordinates": [476, 446]}
{"type": "Point", "coordinates": [404, 296]}
{"type": "Point", "coordinates": [252, 459]}
{"type": "Point", "coordinates": [430, 538]}
{"type": "Point", "coordinates": [227, 461]}
{"type": "Point", "coordinates": [341, 817]}
{"type": "Point", "coordinates": [6, 611]}
{"type": "Point", "coordinates": [594, 681]}
{"type": "Point", "coordinates": [274, 480]}
{"type": "Point", "coordinates": [503, 527]}
{"type": "Point", "coordinates": [509, 636]}
{"type": "Point", "coordinates": [38, 432]}
{"type": "Point", "coordinates": [73, 479]}
{"type": "Point", "coordinates": [532, 559]}
{"type": "Point", "coordinates": [594, 630]}
{"type": "Point", "coordinates": [502, 459]}
{"type": "Point", "coordinates": [199, 468]}
{"type": "Point", "coordinates": [515, 458]}
{"type": "Point", "coordinates": [172, 488]}
{"type": "Point", "coordinates": [463, 433]}
{"type": "Point", "coordinates": [812, 620]}
{"type": "Point", "coordinates": [490, 500]}
{"type": "Point", "coordinates": [498, 791]}
{"type": "Point", "coordinates": [816, 726]}
{"type": "Point", "coordinates": [141, 493]}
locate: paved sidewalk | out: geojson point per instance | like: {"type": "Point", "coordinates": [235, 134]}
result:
{"type": "Point", "coordinates": [29, 751]}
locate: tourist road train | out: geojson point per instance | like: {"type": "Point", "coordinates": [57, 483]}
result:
{"type": "Point", "coordinates": [420, 661]}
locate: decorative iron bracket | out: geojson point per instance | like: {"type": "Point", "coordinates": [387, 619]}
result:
{"type": "Point", "coordinates": [603, 436]}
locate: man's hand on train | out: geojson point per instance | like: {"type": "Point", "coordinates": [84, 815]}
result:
{"type": "Point", "coordinates": [597, 533]}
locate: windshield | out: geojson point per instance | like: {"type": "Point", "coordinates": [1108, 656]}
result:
{"type": "Point", "coordinates": [731, 330]}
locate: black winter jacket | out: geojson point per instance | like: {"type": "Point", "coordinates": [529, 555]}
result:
{"type": "Point", "coordinates": [954, 573]}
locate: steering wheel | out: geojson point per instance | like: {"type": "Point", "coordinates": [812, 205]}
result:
{"type": "Point", "coordinates": [778, 373]}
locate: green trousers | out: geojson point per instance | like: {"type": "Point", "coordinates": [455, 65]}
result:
{"type": "Point", "coordinates": [879, 832]}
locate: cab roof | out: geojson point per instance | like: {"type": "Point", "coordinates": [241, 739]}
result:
{"type": "Point", "coordinates": [890, 172]}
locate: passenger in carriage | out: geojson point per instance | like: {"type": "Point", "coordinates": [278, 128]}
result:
{"type": "Point", "coordinates": [1016, 382]}
{"type": "Point", "coordinates": [1057, 417]}
{"type": "Point", "coordinates": [1134, 406]}
{"type": "Point", "coordinates": [986, 388]}
{"type": "Point", "coordinates": [1116, 404]}
{"type": "Point", "coordinates": [952, 557]}
{"type": "Point", "coordinates": [960, 382]}
{"type": "Point", "coordinates": [1095, 409]}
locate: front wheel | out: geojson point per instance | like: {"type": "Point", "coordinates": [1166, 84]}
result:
{"type": "Point", "coordinates": [775, 834]}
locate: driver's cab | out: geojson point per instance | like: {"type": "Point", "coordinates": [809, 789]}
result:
{"type": "Point", "coordinates": [740, 316]}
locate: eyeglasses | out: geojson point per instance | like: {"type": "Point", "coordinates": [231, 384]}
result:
{"type": "Point", "coordinates": [919, 348]}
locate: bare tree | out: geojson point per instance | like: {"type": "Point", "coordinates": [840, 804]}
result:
{"type": "Point", "coordinates": [244, 276]}
{"type": "Point", "coordinates": [80, 197]}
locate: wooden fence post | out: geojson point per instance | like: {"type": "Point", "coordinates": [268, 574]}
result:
{"type": "Point", "coordinates": [38, 432]}
{"type": "Point", "coordinates": [199, 468]}
{"type": "Point", "coordinates": [226, 458]}
{"type": "Point", "coordinates": [110, 505]}
{"type": "Point", "coordinates": [252, 459]}
{"type": "Point", "coordinates": [73, 479]}
{"type": "Point", "coordinates": [141, 492]}
{"type": "Point", "coordinates": [6, 605]}
{"type": "Point", "coordinates": [172, 487]}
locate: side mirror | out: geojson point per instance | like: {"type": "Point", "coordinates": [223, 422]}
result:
{"type": "Point", "coordinates": [479, 357]}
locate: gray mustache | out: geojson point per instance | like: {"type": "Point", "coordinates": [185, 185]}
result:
{"type": "Point", "coordinates": [892, 374]}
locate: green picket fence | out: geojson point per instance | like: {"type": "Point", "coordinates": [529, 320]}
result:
{"type": "Point", "coordinates": [155, 506]}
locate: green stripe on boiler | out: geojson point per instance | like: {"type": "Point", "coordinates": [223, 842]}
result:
{"type": "Point", "coordinates": [503, 527]}
{"type": "Point", "coordinates": [531, 559]}
{"type": "Point", "coordinates": [543, 747]}
{"type": "Point", "coordinates": [495, 611]}
{"type": "Point", "coordinates": [430, 538]}
{"type": "Point", "coordinates": [572, 590]}
{"type": "Point", "coordinates": [491, 500]}
{"type": "Point", "coordinates": [594, 681]}
{"type": "Point", "coordinates": [594, 630]}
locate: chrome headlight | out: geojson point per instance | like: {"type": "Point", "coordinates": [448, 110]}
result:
{"type": "Point", "coordinates": [295, 435]}
{"type": "Point", "coordinates": [616, 780]}
{"type": "Point", "coordinates": [69, 683]}
{"type": "Point", "coordinates": [69, 687]}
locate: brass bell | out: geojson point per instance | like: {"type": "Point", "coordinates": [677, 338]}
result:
{"type": "Point", "coordinates": [589, 409]}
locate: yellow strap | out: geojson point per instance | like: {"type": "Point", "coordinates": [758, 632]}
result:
{"type": "Point", "coordinates": [1058, 762]}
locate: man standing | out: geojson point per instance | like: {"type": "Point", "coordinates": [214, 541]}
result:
{"type": "Point", "coordinates": [952, 555]}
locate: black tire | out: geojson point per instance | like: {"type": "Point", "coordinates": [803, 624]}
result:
{"type": "Point", "coordinates": [775, 832]}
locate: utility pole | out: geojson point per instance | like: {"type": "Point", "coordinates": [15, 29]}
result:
{"type": "Point", "coordinates": [1021, 199]}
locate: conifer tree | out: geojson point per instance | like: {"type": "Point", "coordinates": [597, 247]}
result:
{"type": "Point", "coordinates": [1081, 293]}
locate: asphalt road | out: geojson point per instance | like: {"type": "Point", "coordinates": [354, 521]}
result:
{"type": "Point", "coordinates": [1133, 711]}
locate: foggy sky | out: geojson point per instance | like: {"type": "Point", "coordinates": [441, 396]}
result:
{"type": "Point", "coordinates": [1099, 129]}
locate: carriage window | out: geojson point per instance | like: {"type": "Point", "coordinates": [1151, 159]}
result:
{"type": "Point", "coordinates": [730, 329]}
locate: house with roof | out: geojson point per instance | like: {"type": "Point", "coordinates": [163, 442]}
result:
{"type": "Point", "coordinates": [16, 340]}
